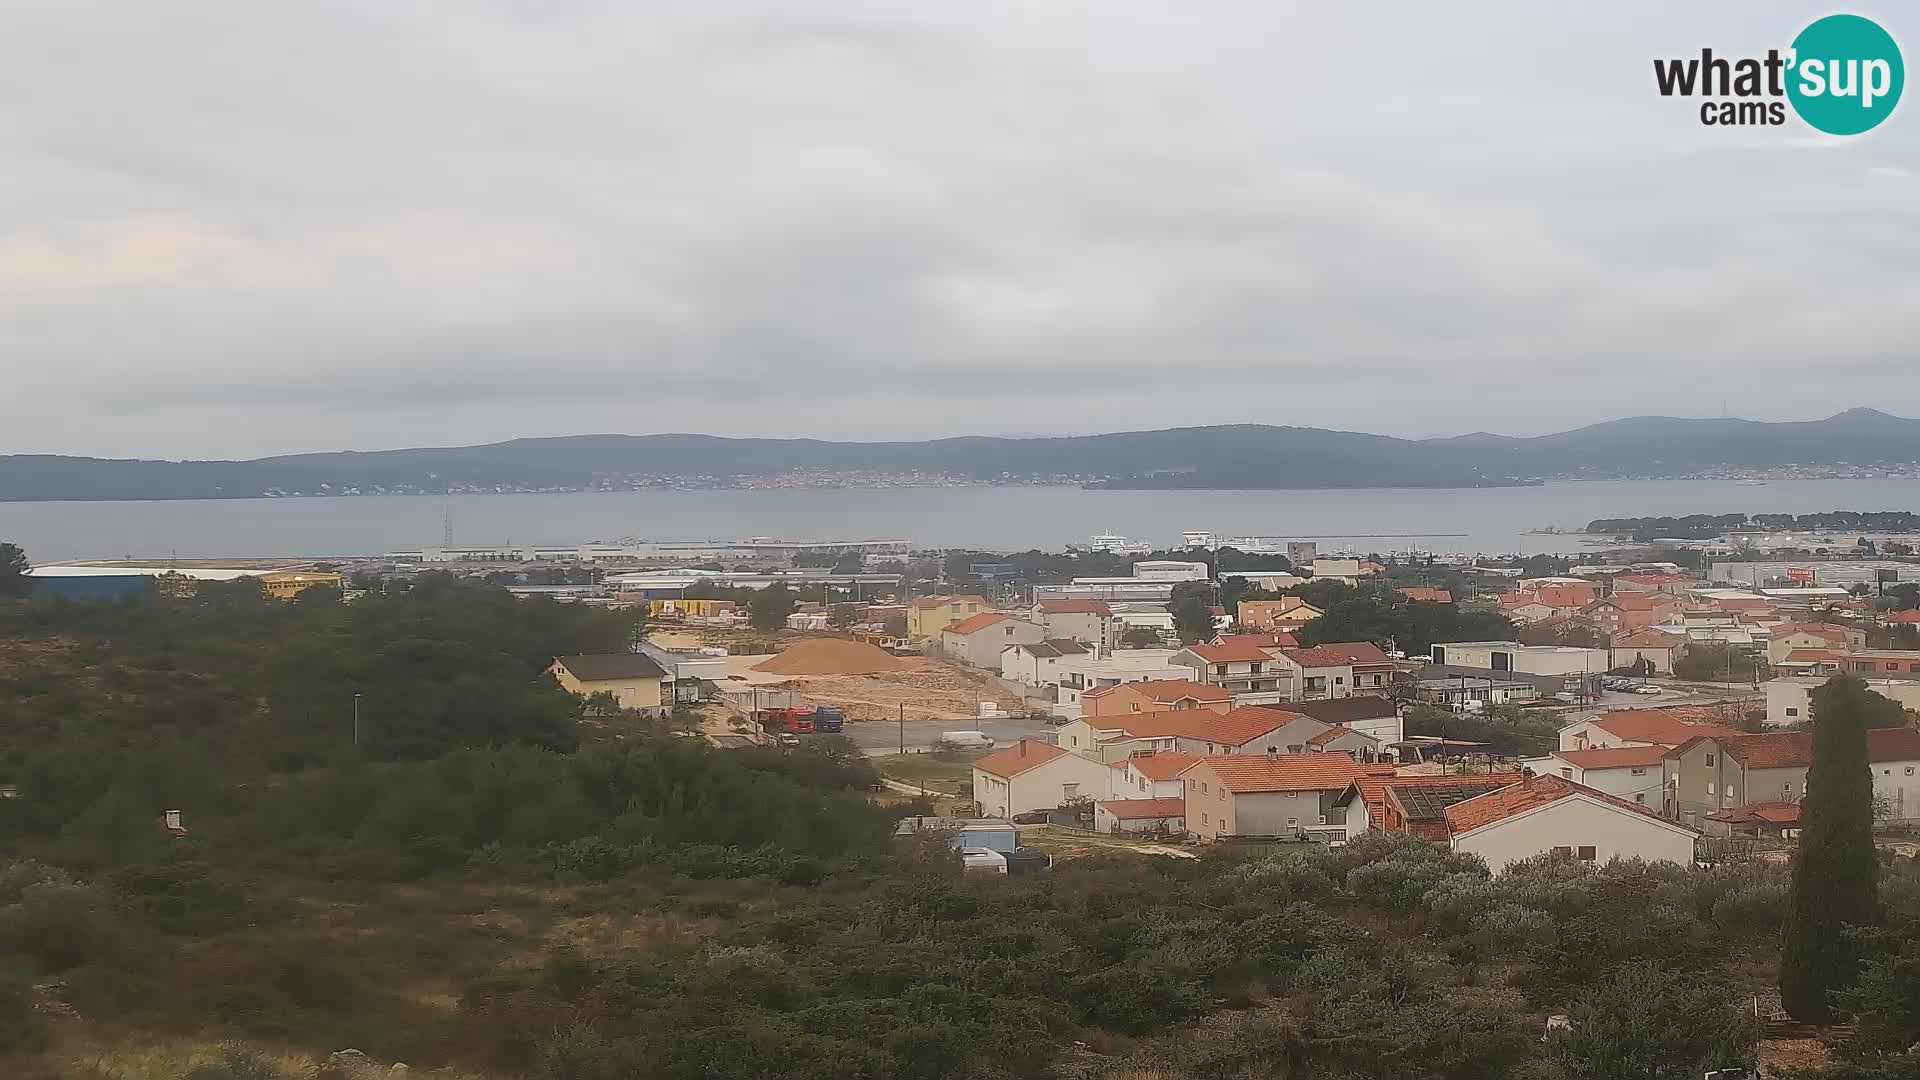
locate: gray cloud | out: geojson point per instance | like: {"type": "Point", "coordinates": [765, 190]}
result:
{"type": "Point", "coordinates": [228, 230]}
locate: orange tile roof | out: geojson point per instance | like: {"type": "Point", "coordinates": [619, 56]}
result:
{"type": "Point", "coordinates": [973, 624]}
{"type": "Point", "coordinates": [1427, 593]}
{"type": "Point", "coordinates": [1074, 607]}
{"type": "Point", "coordinates": [1230, 650]}
{"type": "Point", "coordinates": [1254, 773]}
{"type": "Point", "coordinates": [1165, 765]}
{"type": "Point", "coordinates": [1164, 690]}
{"type": "Point", "coordinates": [1143, 809]}
{"type": "Point", "coordinates": [1535, 791]}
{"type": "Point", "coordinates": [1337, 654]}
{"type": "Point", "coordinates": [1235, 728]}
{"type": "Point", "coordinates": [1828, 631]}
{"type": "Point", "coordinates": [1659, 726]}
{"type": "Point", "coordinates": [1614, 757]}
{"type": "Point", "coordinates": [1376, 790]}
{"type": "Point", "coordinates": [1810, 656]}
{"type": "Point", "coordinates": [1638, 601]}
{"type": "Point", "coordinates": [1773, 813]}
{"type": "Point", "coordinates": [1794, 749]}
{"type": "Point", "coordinates": [1903, 617]}
{"type": "Point", "coordinates": [1332, 734]}
{"type": "Point", "coordinates": [1018, 758]}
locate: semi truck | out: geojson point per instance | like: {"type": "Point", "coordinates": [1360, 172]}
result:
{"type": "Point", "coordinates": [803, 719]}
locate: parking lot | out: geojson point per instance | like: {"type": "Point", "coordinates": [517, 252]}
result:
{"type": "Point", "coordinates": [880, 737]}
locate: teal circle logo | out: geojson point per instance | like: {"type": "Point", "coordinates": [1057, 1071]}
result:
{"type": "Point", "coordinates": [1845, 75]}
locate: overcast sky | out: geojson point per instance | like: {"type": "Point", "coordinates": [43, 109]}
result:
{"type": "Point", "coordinates": [233, 228]}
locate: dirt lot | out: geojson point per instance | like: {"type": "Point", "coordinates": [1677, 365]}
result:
{"type": "Point", "coordinates": [929, 689]}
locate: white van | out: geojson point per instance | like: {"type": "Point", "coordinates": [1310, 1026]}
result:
{"type": "Point", "coordinates": [967, 740]}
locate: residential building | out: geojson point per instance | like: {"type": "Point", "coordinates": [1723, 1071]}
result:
{"type": "Point", "coordinates": [1154, 695]}
{"type": "Point", "coordinates": [1712, 773]}
{"type": "Point", "coordinates": [1634, 773]}
{"type": "Point", "coordinates": [927, 616]}
{"type": "Point", "coordinates": [1038, 663]}
{"type": "Point", "coordinates": [1528, 612]}
{"type": "Point", "coordinates": [1288, 613]}
{"type": "Point", "coordinates": [1624, 613]}
{"type": "Point", "coordinates": [979, 639]}
{"type": "Point", "coordinates": [1551, 814]}
{"type": "Point", "coordinates": [1672, 584]}
{"type": "Point", "coordinates": [1773, 820]}
{"type": "Point", "coordinates": [1089, 622]}
{"type": "Point", "coordinates": [1656, 648]}
{"type": "Point", "coordinates": [1415, 805]}
{"type": "Point", "coordinates": [1370, 714]}
{"type": "Point", "coordinates": [1338, 669]}
{"type": "Point", "coordinates": [1357, 745]}
{"type": "Point", "coordinates": [1825, 637]}
{"type": "Point", "coordinates": [1790, 697]}
{"type": "Point", "coordinates": [1080, 674]}
{"type": "Point", "coordinates": [631, 679]}
{"type": "Point", "coordinates": [1883, 664]}
{"type": "Point", "coordinates": [287, 584]}
{"type": "Point", "coordinates": [1144, 816]}
{"type": "Point", "coordinates": [1249, 730]}
{"type": "Point", "coordinates": [1276, 795]}
{"type": "Point", "coordinates": [1513, 656]}
{"type": "Point", "coordinates": [1909, 617]}
{"type": "Point", "coordinates": [1150, 775]}
{"type": "Point", "coordinates": [1243, 667]}
{"type": "Point", "coordinates": [1426, 594]}
{"type": "Point", "coordinates": [1649, 727]}
{"type": "Point", "coordinates": [1033, 775]}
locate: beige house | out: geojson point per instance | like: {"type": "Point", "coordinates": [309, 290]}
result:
{"type": "Point", "coordinates": [980, 639]}
{"type": "Point", "coordinates": [1336, 670]}
{"type": "Point", "coordinates": [1551, 814]}
{"type": "Point", "coordinates": [1145, 816]}
{"type": "Point", "coordinates": [633, 679]}
{"type": "Point", "coordinates": [1656, 648]}
{"type": "Point", "coordinates": [1644, 727]}
{"type": "Point", "coordinates": [1035, 776]}
{"type": "Point", "coordinates": [1154, 695]}
{"type": "Point", "coordinates": [927, 616]}
{"type": "Point", "coordinates": [1244, 665]}
{"type": "Point", "coordinates": [1089, 622]}
{"type": "Point", "coordinates": [1707, 775]}
{"type": "Point", "coordinates": [1822, 637]}
{"type": "Point", "coordinates": [1286, 613]}
{"type": "Point", "coordinates": [1268, 795]}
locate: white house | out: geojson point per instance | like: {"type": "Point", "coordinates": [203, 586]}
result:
{"type": "Point", "coordinates": [1790, 699]}
{"type": "Point", "coordinates": [1369, 714]}
{"type": "Point", "coordinates": [1038, 663]}
{"type": "Point", "coordinates": [1634, 773]}
{"type": "Point", "coordinates": [1167, 815]}
{"type": "Point", "coordinates": [1639, 727]}
{"type": "Point", "coordinates": [1149, 776]}
{"type": "Point", "coordinates": [1080, 674]}
{"type": "Point", "coordinates": [1254, 674]}
{"type": "Point", "coordinates": [1246, 730]}
{"type": "Point", "coordinates": [1035, 776]}
{"type": "Point", "coordinates": [1544, 814]}
{"type": "Point", "coordinates": [1169, 570]}
{"type": "Point", "coordinates": [979, 639]}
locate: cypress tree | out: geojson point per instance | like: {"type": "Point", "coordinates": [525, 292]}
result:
{"type": "Point", "coordinates": [1835, 871]}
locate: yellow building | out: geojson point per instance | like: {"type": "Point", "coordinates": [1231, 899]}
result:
{"type": "Point", "coordinates": [928, 616]}
{"type": "Point", "coordinates": [633, 679]}
{"type": "Point", "coordinates": [287, 584]}
{"type": "Point", "coordinates": [690, 609]}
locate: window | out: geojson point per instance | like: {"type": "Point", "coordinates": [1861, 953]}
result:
{"type": "Point", "coordinates": [1793, 712]}
{"type": "Point", "coordinates": [1070, 790]}
{"type": "Point", "coordinates": [1293, 823]}
{"type": "Point", "coordinates": [1786, 788]}
{"type": "Point", "coordinates": [1709, 787]}
{"type": "Point", "coordinates": [1587, 854]}
{"type": "Point", "coordinates": [1636, 772]}
{"type": "Point", "coordinates": [1641, 798]}
{"type": "Point", "coordinates": [1709, 757]}
{"type": "Point", "coordinates": [1192, 784]}
{"type": "Point", "coordinates": [1339, 680]}
{"type": "Point", "coordinates": [1204, 789]}
{"type": "Point", "coordinates": [1223, 794]}
{"type": "Point", "coordinates": [1568, 773]}
{"type": "Point", "coordinates": [1203, 817]}
{"type": "Point", "coordinates": [1563, 850]}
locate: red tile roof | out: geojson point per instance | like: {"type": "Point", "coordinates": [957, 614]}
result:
{"type": "Point", "coordinates": [1829, 631]}
{"type": "Point", "coordinates": [1773, 813]}
{"type": "Point", "coordinates": [1655, 726]}
{"type": "Point", "coordinates": [1620, 757]}
{"type": "Point", "coordinates": [1639, 601]}
{"type": "Point", "coordinates": [1332, 734]}
{"type": "Point", "coordinates": [1252, 773]}
{"type": "Point", "coordinates": [973, 624]}
{"type": "Point", "coordinates": [1165, 765]}
{"type": "Point", "coordinates": [1810, 656]}
{"type": "Point", "coordinates": [1074, 607]}
{"type": "Point", "coordinates": [1794, 749]}
{"type": "Point", "coordinates": [1145, 809]}
{"type": "Point", "coordinates": [1901, 617]}
{"type": "Point", "coordinates": [1535, 791]}
{"type": "Point", "coordinates": [1235, 728]}
{"type": "Point", "coordinates": [1337, 654]}
{"type": "Point", "coordinates": [1018, 758]}
{"type": "Point", "coordinates": [1165, 690]}
{"type": "Point", "coordinates": [1427, 593]}
{"type": "Point", "coordinates": [1376, 790]}
{"type": "Point", "coordinates": [1231, 650]}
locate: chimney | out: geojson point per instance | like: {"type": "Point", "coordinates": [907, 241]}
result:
{"type": "Point", "coordinates": [1023, 748]}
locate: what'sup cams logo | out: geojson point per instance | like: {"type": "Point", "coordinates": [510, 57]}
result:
{"type": "Point", "coordinates": [1842, 75]}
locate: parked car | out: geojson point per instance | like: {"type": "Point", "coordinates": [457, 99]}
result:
{"type": "Point", "coordinates": [1648, 690]}
{"type": "Point", "coordinates": [1033, 817]}
{"type": "Point", "coordinates": [967, 740]}
{"type": "Point", "coordinates": [788, 738]}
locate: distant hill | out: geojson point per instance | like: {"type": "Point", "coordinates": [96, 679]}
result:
{"type": "Point", "coordinates": [1228, 456]}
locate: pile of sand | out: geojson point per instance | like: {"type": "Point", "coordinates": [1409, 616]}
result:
{"type": "Point", "coordinates": [831, 656]}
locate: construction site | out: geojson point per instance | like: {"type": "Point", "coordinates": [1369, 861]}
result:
{"type": "Point", "coordinates": [865, 682]}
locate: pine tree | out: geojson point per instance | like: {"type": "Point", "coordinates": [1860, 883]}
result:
{"type": "Point", "coordinates": [1835, 871]}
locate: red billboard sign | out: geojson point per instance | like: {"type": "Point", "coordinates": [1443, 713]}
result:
{"type": "Point", "coordinates": [1801, 574]}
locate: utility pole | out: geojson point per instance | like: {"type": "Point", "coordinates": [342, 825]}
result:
{"type": "Point", "coordinates": [356, 720]}
{"type": "Point", "coordinates": [903, 729]}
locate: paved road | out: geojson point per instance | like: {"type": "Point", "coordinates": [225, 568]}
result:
{"type": "Point", "coordinates": [881, 737]}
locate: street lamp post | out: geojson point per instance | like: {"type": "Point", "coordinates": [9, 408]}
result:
{"type": "Point", "coordinates": [356, 720]}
